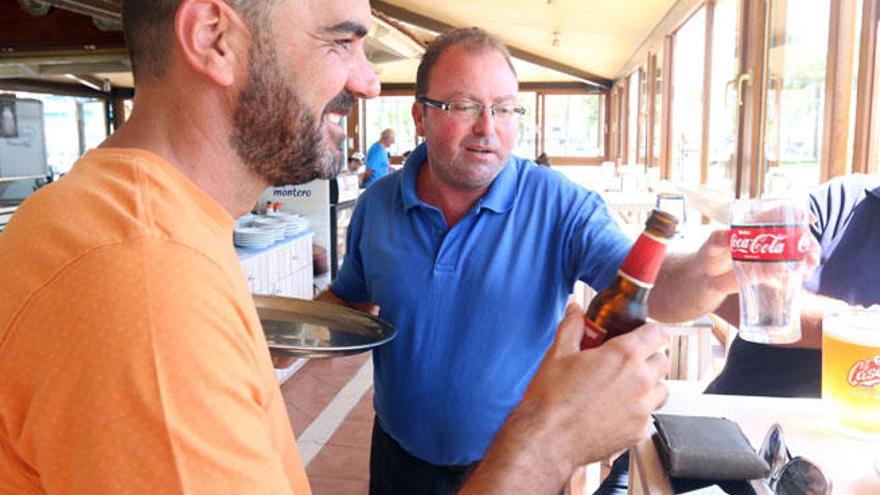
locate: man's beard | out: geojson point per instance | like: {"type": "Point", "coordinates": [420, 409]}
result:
{"type": "Point", "coordinates": [274, 135]}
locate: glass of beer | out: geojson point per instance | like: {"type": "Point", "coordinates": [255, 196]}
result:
{"type": "Point", "coordinates": [851, 369]}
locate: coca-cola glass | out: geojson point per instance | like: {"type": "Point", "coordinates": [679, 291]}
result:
{"type": "Point", "coordinates": [769, 240]}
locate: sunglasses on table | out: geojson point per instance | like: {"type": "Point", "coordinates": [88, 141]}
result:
{"type": "Point", "coordinates": [791, 475]}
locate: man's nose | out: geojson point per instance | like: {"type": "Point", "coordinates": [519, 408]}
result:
{"type": "Point", "coordinates": [484, 124]}
{"type": "Point", "coordinates": [363, 81]}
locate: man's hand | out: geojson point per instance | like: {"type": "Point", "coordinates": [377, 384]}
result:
{"type": "Point", "coordinates": [579, 408]}
{"type": "Point", "coordinates": [691, 285]}
{"type": "Point", "coordinates": [605, 394]}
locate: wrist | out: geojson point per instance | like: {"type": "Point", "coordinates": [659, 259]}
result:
{"type": "Point", "coordinates": [527, 455]}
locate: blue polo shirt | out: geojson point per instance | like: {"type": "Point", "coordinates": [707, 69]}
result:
{"type": "Point", "coordinates": [848, 231]}
{"type": "Point", "coordinates": [377, 159]}
{"type": "Point", "coordinates": [476, 306]}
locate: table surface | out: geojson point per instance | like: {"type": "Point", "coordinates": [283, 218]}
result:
{"type": "Point", "coordinates": [805, 425]}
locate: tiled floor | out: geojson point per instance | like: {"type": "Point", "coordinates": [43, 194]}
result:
{"type": "Point", "coordinates": [341, 465]}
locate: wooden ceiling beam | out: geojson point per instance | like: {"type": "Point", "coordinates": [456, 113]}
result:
{"type": "Point", "coordinates": [58, 29]}
{"type": "Point", "coordinates": [51, 87]}
{"type": "Point", "coordinates": [548, 87]}
{"type": "Point", "coordinates": [439, 26]}
{"type": "Point", "coordinates": [106, 10]}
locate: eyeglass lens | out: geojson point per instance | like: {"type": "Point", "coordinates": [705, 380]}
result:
{"type": "Point", "coordinates": [801, 477]}
{"type": "Point", "coordinates": [472, 110]}
{"type": "Point", "coordinates": [791, 476]}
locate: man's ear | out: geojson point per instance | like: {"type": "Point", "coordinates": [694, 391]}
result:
{"type": "Point", "coordinates": [212, 38]}
{"type": "Point", "coordinates": [418, 116]}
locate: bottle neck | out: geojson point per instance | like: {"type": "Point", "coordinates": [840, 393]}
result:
{"type": "Point", "coordinates": [642, 264]}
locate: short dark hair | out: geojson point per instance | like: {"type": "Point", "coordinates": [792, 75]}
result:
{"type": "Point", "coordinates": [148, 27]}
{"type": "Point", "coordinates": [474, 39]}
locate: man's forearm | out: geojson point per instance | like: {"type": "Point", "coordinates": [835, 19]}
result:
{"type": "Point", "coordinates": [512, 463]}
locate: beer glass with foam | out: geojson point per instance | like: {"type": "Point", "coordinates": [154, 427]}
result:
{"type": "Point", "coordinates": [851, 369]}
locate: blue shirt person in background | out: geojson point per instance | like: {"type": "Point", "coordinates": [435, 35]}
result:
{"type": "Point", "coordinates": [378, 158]}
{"type": "Point", "coordinates": [472, 253]}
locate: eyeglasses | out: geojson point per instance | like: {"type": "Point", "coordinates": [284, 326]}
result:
{"type": "Point", "coordinates": [470, 110]}
{"type": "Point", "coordinates": [791, 476]}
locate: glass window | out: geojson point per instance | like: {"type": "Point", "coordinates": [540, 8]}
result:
{"type": "Point", "coordinates": [632, 118]}
{"type": "Point", "coordinates": [854, 88]}
{"type": "Point", "coordinates": [73, 125]}
{"type": "Point", "coordinates": [687, 99]}
{"type": "Point", "coordinates": [617, 126]}
{"type": "Point", "coordinates": [525, 144]}
{"type": "Point", "coordinates": [874, 147]}
{"type": "Point", "coordinates": [795, 93]}
{"type": "Point", "coordinates": [573, 125]}
{"type": "Point", "coordinates": [723, 105]}
{"type": "Point", "coordinates": [643, 117]}
{"type": "Point", "coordinates": [658, 108]}
{"type": "Point", "coordinates": [127, 106]}
{"type": "Point", "coordinates": [94, 123]}
{"type": "Point", "coordinates": [393, 112]}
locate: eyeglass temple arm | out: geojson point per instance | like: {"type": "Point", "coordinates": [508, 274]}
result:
{"type": "Point", "coordinates": [761, 487]}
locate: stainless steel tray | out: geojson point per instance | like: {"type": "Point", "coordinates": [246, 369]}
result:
{"type": "Point", "coordinates": [313, 329]}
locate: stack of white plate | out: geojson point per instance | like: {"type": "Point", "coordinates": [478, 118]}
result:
{"type": "Point", "coordinates": [294, 223]}
{"type": "Point", "coordinates": [253, 237]}
{"type": "Point", "coordinates": [277, 225]}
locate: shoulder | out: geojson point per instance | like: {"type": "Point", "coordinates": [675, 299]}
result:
{"type": "Point", "coordinates": [536, 182]}
{"type": "Point", "coordinates": [138, 288]}
{"type": "Point", "coordinates": [840, 194]}
{"type": "Point", "coordinates": [384, 191]}
{"type": "Point", "coordinates": [375, 148]}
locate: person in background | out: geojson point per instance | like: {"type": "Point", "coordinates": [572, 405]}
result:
{"type": "Point", "coordinates": [378, 158]}
{"type": "Point", "coordinates": [543, 159]}
{"type": "Point", "coordinates": [356, 163]}
{"type": "Point", "coordinates": [132, 359]}
{"type": "Point", "coordinates": [478, 253]}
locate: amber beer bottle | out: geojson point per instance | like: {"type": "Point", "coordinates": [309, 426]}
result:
{"type": "Point", "coordinates": [622, 306]}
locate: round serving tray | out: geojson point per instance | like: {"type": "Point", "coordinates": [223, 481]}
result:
{"type": "Point", "coordinates": [314, 329]}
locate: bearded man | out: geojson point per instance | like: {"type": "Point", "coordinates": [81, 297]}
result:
{"type": "Point", "coordinates": [132, 360]}
{"type": "Point", "coordinates": [132, 357]}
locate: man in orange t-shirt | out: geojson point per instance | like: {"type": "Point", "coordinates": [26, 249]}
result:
{"type": "Point", "coordinates": [132, 360]}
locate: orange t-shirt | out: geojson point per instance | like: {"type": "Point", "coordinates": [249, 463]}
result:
{"type": "Point", "coordinates": [132, 360]}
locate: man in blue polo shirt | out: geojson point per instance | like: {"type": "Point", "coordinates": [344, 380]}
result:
{"type": "Point", "coordinates": [473, 253]}
{"type": "Point", "coordinates": [378, 158]}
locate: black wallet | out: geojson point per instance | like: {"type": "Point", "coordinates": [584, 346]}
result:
{"type": "Point", "coordinates": [706, 448]}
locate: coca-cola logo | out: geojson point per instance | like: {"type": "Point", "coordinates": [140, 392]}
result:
{"type": "Point", "coordinates": [865, 374]}
{"type": "Point", "coordinates": [762, 244]}
{"type": "Point", "coordinates": [783, 243]}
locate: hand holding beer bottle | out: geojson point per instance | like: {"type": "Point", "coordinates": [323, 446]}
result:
{"type": "Point", "coordinates": [622, 306]}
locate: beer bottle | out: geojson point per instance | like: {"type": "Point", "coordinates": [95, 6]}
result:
{"type": "Point", "coordinates": [622, 306]}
